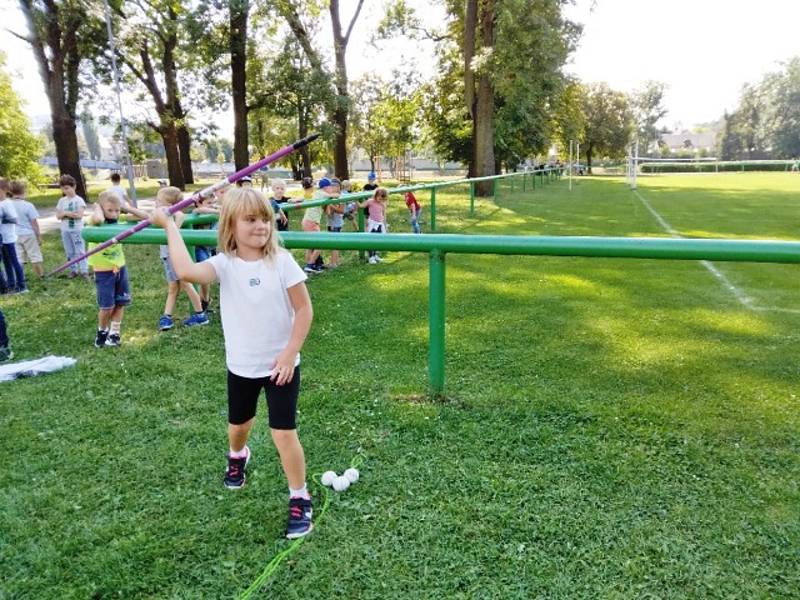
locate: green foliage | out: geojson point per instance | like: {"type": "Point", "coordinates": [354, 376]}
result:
{"type": "Point", "coordinates": [711, 167]}
{"type": "Point", "coordinates": [648, 108]}
{"type": "Point", "coordinates": [532, 42]}
{"type": "Point", "coordinates": [766, 124]}
{"type": "Point", "coordinates": [20, 150]}
{"type": "Point", "coordinates": [609, 122]}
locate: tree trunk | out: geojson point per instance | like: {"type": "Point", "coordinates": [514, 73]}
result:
{"type": "Point", "coordinates": [66, 142]}
{"type": "Point", "coordinates": [169, 137]}
{"type": "Point", "coordinates": [238, 47]}
{"type": "Point", "coordinates": [305, 152]}
{"type": "Point", "coordinates": [588, 159]}
{"type": "Point", "coordinates": [185, 152]}
{"type": "Point", "coordinates": [58, 58]}
{"type": "Point", "coordinates": [483, 115]}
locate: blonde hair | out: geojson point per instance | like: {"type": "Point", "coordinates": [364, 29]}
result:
{"type": "Point", "coordinates": [108, 198]}
{"type": "Point", "coordinates": [279, 182]}
{"type": "Point", "coordinates": [241, 202]}
{"type": "Point", "coordinates": [167, 196]}
{"type": "Point", "coordinates": [380, 193]}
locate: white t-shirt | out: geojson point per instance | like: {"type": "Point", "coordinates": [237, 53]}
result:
{"type": "Point", "coordinates": [257, 315]}
{"type": "Point", "coordinates": [73, 204]}
{"type": "Point", "coordinates": [8, 231]}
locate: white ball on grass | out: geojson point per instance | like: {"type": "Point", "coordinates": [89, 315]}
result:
{"type": "Point", "coordinates": [328, 477]}
{"type": "Point", "coordinates": [341, 483]}
{"type": "Point", "coordinates": [351, 474]}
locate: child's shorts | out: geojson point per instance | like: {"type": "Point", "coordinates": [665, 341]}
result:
{"type": "Point", "coordinates": [169, 272]}
{"type": "Point", "coordinates": [202, 253]}
{"type": "Point", "coordinates": [113, 288]}
{"type": "Point", "coordinates": [310, 225]}
{"type": "Point", "coordinates": [28, 249]}
{"type": "Point", "coordinates": [243, 393]}
{"type": "Point", "coordinates": [333, 229]}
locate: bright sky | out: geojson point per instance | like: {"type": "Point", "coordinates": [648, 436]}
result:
{"type": "Point", "coordinates": [704, 50]}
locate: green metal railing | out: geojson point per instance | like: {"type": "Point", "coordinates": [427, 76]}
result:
{"type": "Point", "coordinates": [524, 178]}
{"type": "Point", "coordinates": [439, 245]}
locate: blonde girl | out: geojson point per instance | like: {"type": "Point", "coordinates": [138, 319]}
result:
{"type": "Point", "coordinates": [266, 316]}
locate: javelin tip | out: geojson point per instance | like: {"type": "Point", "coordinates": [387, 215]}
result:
{"type": "Point", "coordinates": [305, 141]}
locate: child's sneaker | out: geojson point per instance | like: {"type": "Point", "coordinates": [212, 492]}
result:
{"type": "Point", "coordinates": [101, 338]}
{"type": "Point", "coordinates": [198, 318]}
{"type": "Point", "coordinates": [165, 323]}
{"type": "Point", "coordinates": [113, 340]}
{"type": "Point", "coordinates": [234, 474]}
{"type": "Point", "coordinates": [309, 268]}
{"type": "Point", "coordinates": [300, 515]}
{"type": "Point", "coordinates": [373, 260]}
{"type": "Point", "coordinates": [5, 353]}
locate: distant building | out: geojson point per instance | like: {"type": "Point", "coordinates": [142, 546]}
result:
{"type": "Point", "coordinates": [693, 142]}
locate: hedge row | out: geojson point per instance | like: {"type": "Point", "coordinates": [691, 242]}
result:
{"type": "Point", "coordinates": [710, 167]}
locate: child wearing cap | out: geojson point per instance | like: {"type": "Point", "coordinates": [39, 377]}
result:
{"type": "Point", "coordinates": [313, 217]}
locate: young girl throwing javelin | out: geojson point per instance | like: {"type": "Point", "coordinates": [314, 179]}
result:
{"type": "Point", "coordinates": [266, 316]}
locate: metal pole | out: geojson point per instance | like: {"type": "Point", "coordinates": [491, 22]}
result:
{"type": "Point", "coordinates": [123, 126]}
{"type": "Point", "coordinates": [436, 294]}
{"type": "Point", "coordinates": [570, 165]}
{"type": "Point", "coordinates": [635, 162]}
{"type": "Point", "coordinates": [472, 198]}
{"type": "Point", "coordinates": [433, 209]}
{"type": "Point", "coordinates": [361, 226]}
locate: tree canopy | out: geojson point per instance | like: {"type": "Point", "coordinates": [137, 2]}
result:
{"type": "Point", "coordinates": [19, 149]}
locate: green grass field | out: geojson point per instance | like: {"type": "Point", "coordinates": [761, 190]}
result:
{"type": "Point", "coordinates": [612, 428]}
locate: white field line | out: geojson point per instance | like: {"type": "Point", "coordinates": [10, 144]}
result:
{"type": "Point", "coordinates": [743, 298]}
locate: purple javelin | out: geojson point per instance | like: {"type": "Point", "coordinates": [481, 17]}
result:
{"type": "Point", "coordinates": [195, 197]}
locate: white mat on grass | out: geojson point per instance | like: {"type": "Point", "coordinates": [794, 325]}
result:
{"type": "Point", "coordinates": [32, 368]}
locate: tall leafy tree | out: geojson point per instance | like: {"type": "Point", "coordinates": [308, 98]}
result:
{"type": "Point", "coordinates": [503, 60]}
{"type": "Point", "coordinates": [149, 48]}
{"type": "Point", "coordinates": [19, 148]}
{"type": "Point", "coordinates": [61, 34]}
{"type": "Point", "coordinates": [291, 11]}
{"type": "Point", "coordinates": [286, 85]}
{"type": "Point", "coordinates": [648, 108]}
{"type": "Point", "coordinates": [609, 122]}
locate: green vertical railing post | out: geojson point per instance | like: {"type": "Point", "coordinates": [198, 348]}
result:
{"type": "Point", "coordinates": [472, 198]}
{"type": "Point", "coordinates": [512, 183]}
{"type": "Point", "coordinates": [524, 181]}
{"type": "Point", "coordinates": [361, 226]}
{"type": "Point", "coordinates": [433, 208]}
{"type": "Point", "coordinates": [436, 286]}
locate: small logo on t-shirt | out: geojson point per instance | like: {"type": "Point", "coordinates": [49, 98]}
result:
{"type": "Point", "coordinates": [254, 281]}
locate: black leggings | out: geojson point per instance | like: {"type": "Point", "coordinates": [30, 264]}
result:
{"type": "Point", "coordinates": [243, 393]}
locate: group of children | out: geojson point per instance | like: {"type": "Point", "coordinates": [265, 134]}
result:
{"type": "Point", "coordinates": [20, 238]}
{"type": "Point", "coordinates": [337, 213]}
{"type": "Point", "coordinates": [265, 308]}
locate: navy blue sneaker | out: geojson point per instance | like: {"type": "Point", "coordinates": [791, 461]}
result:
{"type": "Point", "coordinates": [300, 514]}
{"type": "Point", "coordinates": [101, 338]}
{"type": "Point", "coordinates": [234, 474]}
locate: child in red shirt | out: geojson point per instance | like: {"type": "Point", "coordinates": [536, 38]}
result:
{"type": "Point", "coordinates": [415, 211]}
